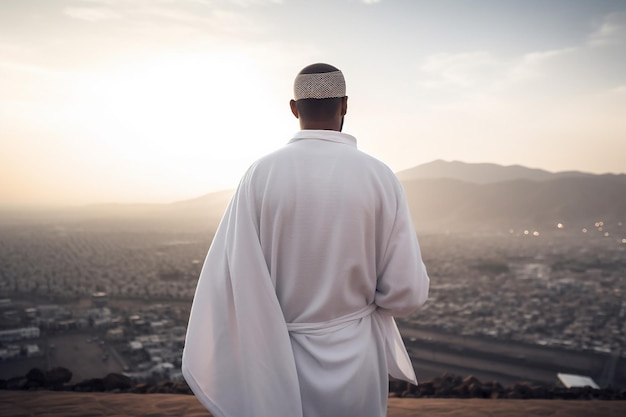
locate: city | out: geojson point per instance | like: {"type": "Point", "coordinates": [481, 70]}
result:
{"type": "Point", "coordinates": [98, 300]}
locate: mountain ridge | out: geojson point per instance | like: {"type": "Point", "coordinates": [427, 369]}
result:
{"type": "Point", "coordinates": [442, 196]}
{"type": "Point", "coordinates": [484, 173]}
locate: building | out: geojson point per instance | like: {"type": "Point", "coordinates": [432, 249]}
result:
{"type": "Point", "coordinates": [19, 334]}
{"type": "Point", "coordinates": [99, 299]}
{"type": "Point", "coordinates": [574, 381]}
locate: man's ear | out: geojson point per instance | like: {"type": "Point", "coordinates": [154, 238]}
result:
{"type": "Point", "coordinates": [294, 108]}
{"type": "Point", "coordinates": [344, 105]}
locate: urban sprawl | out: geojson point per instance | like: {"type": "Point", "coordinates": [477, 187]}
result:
{"type": "Point", "coordinates": [130, 292]}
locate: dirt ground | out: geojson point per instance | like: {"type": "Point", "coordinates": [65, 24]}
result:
{"type": "Point", "coordinates": [68, 404]}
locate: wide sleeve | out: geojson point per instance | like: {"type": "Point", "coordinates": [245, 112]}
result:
{"type": "Point", "coordinates": [237, 357]}
{"type": "Point", "coordinates": [402, 280]}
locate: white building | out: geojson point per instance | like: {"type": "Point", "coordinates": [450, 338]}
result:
{"type": "Point", "coordinates": [19, 334]}
{"type": "Point", "coordinates": [33, 350]}
{"type": "Point", "coordinates": [115, 334]}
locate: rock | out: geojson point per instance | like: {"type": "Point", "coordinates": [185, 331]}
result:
{"type": "Point", "coordinates": [36, 378]}
{"type": "Point", "coordinates": [139, 389]}
{"type": "Point", "coordinates": [58, 376]}
{"type": "Point", "coordinates": [468, 387]}
{"type": "Point", "coordinates": [90, 385]}
{"type": "Point", "coordinates": [495, 395]}
{"type": "Point", "coordinates": [540, 391]}
{"type": "Point", "coordinates": [426, 389]}
{"type": "Point", "coordinates": [163, 387]}
{"type": "Point", "coordinates": [493, 389]}
{"type": "Point", "coordinates": [116, 381]}
{"type": "Point", "coordinates": [529, 390]}
{"type": "Point", "coordinates": [445, 384]}
{"type": "Point", "coordinates": [396, 386]}
{"type": "Point", "coordinates": [181, 388]}
{"type": "Point", "coordinates": [476, 390]}
{"type": "Point", "coordinates": [520, 390]}
{"type": "Point", "coordinates": [17, 383]}
{"type": "Point", "coordinates": [469, 380]}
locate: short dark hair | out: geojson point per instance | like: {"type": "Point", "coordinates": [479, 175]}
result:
{"type": "Point", "coordinates": [318, 109]}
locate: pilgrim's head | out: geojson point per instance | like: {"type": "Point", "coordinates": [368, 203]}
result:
{"type": "Point", "coordinates": [320, 100]}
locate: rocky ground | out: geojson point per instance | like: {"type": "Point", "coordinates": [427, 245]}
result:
{"type": "Point", "coordinates": [50, 393]}
{"type": "Point", "coordinates": [100, 404]}
{"type": "Point", "coordinates": [444, 386]}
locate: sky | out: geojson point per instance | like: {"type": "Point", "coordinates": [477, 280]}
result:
{"type": "Point", "coordinates": [155, 101]}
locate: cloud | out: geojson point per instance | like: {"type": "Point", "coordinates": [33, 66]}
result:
{"type": "Point", "coordinates": [611, 31]}
{"type": "Point", "coordinates": [536, 65]}
{"type": "Point", "coordinates": [595, 64]}
{"type": "Point", "coordinates": [30, 69]}
{"type": "Point", "coordinates": [619, 90]}
{"type": "Point", "coordinates": [106, 2]}
{"type": "Point", "coordinates": [536, 105]}
{"type": "Point", "coordinates": [171, 19]}
{"type": "Point", "coordinates": [176, 15]}
{"type": "Point", "coordinates": [183, 3]}
{"type": "Point", "coordinates": [247, 3]}
{"type": "Point", "coordinates": [91, 14]}
{"type": "Point", "coordinates": [467, 69]}
{"type": "Point", "coordinates": [219, 20]}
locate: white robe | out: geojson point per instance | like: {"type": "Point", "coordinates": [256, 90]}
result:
{"type": "Point", "coordinates": [293, 312]}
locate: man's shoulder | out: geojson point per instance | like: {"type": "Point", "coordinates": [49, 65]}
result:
{"type": "Point", "coordinates": [376, 163]}
{"type": "Point", "coordinates": [292, 154]}
{"type": "Point", "coordinates": [270, 159]}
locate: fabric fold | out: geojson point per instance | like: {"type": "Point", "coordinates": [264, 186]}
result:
{"type": "Point", "coordinates": [236, 334]}
{"type": "Point", "coordinates": [331, 325]}
{"type": "Point", "coordinates": [398, 361]}
{"type": "Point", "coordinates": [268, 334]}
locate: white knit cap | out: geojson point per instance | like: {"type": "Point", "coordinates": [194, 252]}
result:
{"type": "Point", "coordinates": [320, 85]}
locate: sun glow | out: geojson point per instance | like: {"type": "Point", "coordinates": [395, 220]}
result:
{"type": "Point", "coordinates": [169, 102]}
{"type": "Point", "coordinates": [197, 114]}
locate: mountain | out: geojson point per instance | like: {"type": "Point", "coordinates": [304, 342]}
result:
{"type": "Point", "coordinates": [443, 196]}
{"type": "Point", "coordinates": [198, 214]}
{"type": "Point", "coordinates": [448, 204]}
{"type": "Point", "coordinates": [484, 173]}
{"type": "Point", "coordinates": [456, 196]}
{"type": "Point", "coordinates": [461, 196]}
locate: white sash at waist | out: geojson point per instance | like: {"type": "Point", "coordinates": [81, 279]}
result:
{"type": "Point", "coordinates": [330, 326]}
{"type": "Point", "coordinates": [398, 361]}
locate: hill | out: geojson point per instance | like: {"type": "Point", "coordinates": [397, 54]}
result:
{"type": "Point", "coordinates": [482, 173]}
{"type": "Point", "coordinates": [443, 196]}
{"type": "Point", "coordinates": [455, 196]}
{"type": "Point", "coordinates": [450, 204]}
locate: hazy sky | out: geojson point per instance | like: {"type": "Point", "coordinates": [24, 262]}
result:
{"type": "Point", "coordinates": [162, 100]}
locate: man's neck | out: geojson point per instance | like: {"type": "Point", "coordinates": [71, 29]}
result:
{"type": "Point", "coordinates": [325, 125]}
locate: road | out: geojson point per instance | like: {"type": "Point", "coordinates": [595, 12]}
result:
{"type": "Point", "coordinates": [434, 353]}
{"type": "Point", "coordinates": [83, 356]}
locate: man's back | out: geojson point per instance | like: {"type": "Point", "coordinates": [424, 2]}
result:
{"type": "Point", "coordinates": [325, 214]}
{"type": "Point", "coordinates": [314, 256]}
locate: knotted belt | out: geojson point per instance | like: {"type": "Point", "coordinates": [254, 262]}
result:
{"type": "Point", "coordinates": [330, 326]}
{"type": "Point", "coordinates": [398, 361]}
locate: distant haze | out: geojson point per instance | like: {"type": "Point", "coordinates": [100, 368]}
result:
{"type": "Point", "coordinates": [134, 101]}
{"type": "Point", "coordinates": [443, 197]}
{"type": "Point", "coordinates": [482, 173]}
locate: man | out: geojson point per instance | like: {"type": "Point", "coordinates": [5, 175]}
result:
{"type": "Point", "coordinates": [293, 313]}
